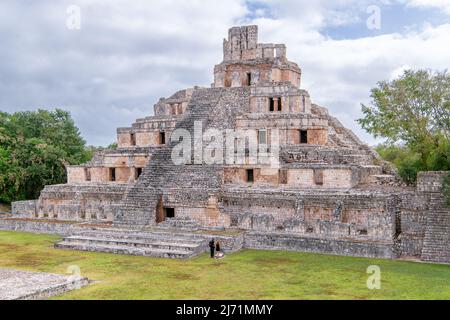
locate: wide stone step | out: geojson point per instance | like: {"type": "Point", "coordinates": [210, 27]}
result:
{"type": "Point", "coordinates": [145, 237]}
{"type": "Point", "coordinates": [122, 249]}
{"type": "Point", "coordinates": [165, 245]}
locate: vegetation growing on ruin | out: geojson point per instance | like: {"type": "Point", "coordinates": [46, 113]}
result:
{"type": "Point", "coordinates": [413, 114]}
{"type": "Point", "coordinates": [249, 274]}
{"type": "Point", "coordinates": [35, 147]}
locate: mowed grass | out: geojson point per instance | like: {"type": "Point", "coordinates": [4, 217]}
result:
{"type": "Point", "coordinates": [249, 274]}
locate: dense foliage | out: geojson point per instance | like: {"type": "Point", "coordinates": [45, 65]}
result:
{"type": "Point", "coordinates": [409, 162]}
{"type": "Point", "coordinates": [413, 114]}
{"type": "Point", "coordinates": [35, 147]}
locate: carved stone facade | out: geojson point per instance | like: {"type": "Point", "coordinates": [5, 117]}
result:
{"type": "Point", "coordinates": [329, 191]}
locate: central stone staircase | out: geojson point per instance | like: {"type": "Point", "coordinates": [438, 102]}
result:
{"type": "Point", "coordinates": [150, 244]}
{"type": "Point", "coordinates": [212, 109]}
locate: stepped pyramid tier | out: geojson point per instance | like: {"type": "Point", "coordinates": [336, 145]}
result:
{"type": "Point", "coordinates": [258, 155]}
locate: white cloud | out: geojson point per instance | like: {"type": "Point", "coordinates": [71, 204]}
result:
{"type": "Point", "coordinates": [128, 54]}
{"type": "Point", "coordinates": [443, 5]}
{"type": "Point", "coordinates": [340, 73]}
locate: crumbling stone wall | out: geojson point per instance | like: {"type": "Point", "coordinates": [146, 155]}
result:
{"type": "Point", "coordinates": [430, 181]}
{"type": "Point", "coordinates": [42, 226]}
{"type": "Point", "coordinates": [412, 224]}
{"type": "Point", "coordinates": [80, 202]}
{"type": "Point", "coordinates": [424, 226]}
{"type": "Point", "coordinates": [244, 58]}
{"type": "Point", "coordinates": [24, 208]}
{"type": "Point", "coordinates": [333, 215]}
{"type": "Point", "coordinates": [293, 242]}
{"type": "Point", "coordinates": [175, 105]}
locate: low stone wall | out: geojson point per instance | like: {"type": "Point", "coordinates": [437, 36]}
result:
{"type": "Point", "coordinates": [80, 202]}
{"type": "Point", "coordinates": [228, 243]}
{"type": "Point", "coordinates": [360, 216]}
{"type": "Point", "coordinates": [288, 242]}
{"type": "Point", "coordinates": [46, 227]}
{"type": "Point", "coordinates": [24, 208]}
{"type": "Point", "coordinates": [430, 181]}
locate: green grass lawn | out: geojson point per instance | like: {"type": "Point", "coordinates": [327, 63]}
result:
{"type": "Point", "coordinates": [249, 274]}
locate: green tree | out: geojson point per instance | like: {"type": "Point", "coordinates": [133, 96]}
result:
{"type": "Point", "coordinates": [55, 128]}
{"type": "Point", "coordinates": [412, 111]}
{"type": "Point", "coordinates": [35, 148]}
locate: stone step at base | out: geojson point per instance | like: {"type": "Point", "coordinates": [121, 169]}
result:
{"type": "Point", "coordinates": [178, 246]}
{"type": "Point", "coordinates": [136, 242]}
{"type": "Point", "coordinates": [129, 250]}
{"type": "Point", "coordinates": [140, 237]}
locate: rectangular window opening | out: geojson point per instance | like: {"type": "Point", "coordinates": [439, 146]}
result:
{"type": "Point", "coordinates": [303, 136]}
{"type": "Point", "coordinates": [271, 105]}
{"type": "Point", "coordinates": [112, 174]}
{"type": "Point", "coordinates": [162, 137]}
{"type": "Point", "coordinates": [137, 173]}
{"type": "Point", "coordinates": [169, 212]}
{"type": "Point", "coordinates": [132, 139]}
{"type": "Point", "coordinates": [249, 79]}
{"type": "Point", "coordinates": [250, 175]}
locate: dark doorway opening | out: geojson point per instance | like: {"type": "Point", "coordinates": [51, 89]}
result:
{"type": "Point", "coordinates": [250, 175]}
{"type": "Point", "coordinates": [249, 79]}
{"type": "Point", "coordinates": [162, 137]}
{"type": "Point", "coordinates": [112, 174]}
{"type": "Point", "coordinates": [169, 212]}
{"type": "Point", "coordinates": [303, 136]}
{"type": "Point", "coordinates": [137, 173]}
{"type": "Point", "coordinates": [271, 105]}
{"type": "Point", "coordinates": [133, 139]}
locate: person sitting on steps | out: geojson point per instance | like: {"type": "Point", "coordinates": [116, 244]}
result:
{"type": "Point", "coordinates": [219, 252]}
{"type": "Point", "coordinates": [217, 246]}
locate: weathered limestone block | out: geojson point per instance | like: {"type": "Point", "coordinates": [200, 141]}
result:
{"type": "Point", "coordinates": [24, 208]}
{"type": "Point", "coordinates": [430, 181]}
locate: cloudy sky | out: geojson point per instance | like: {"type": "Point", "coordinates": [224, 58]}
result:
{"type": "Point", "coordinates": [128, 54]}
